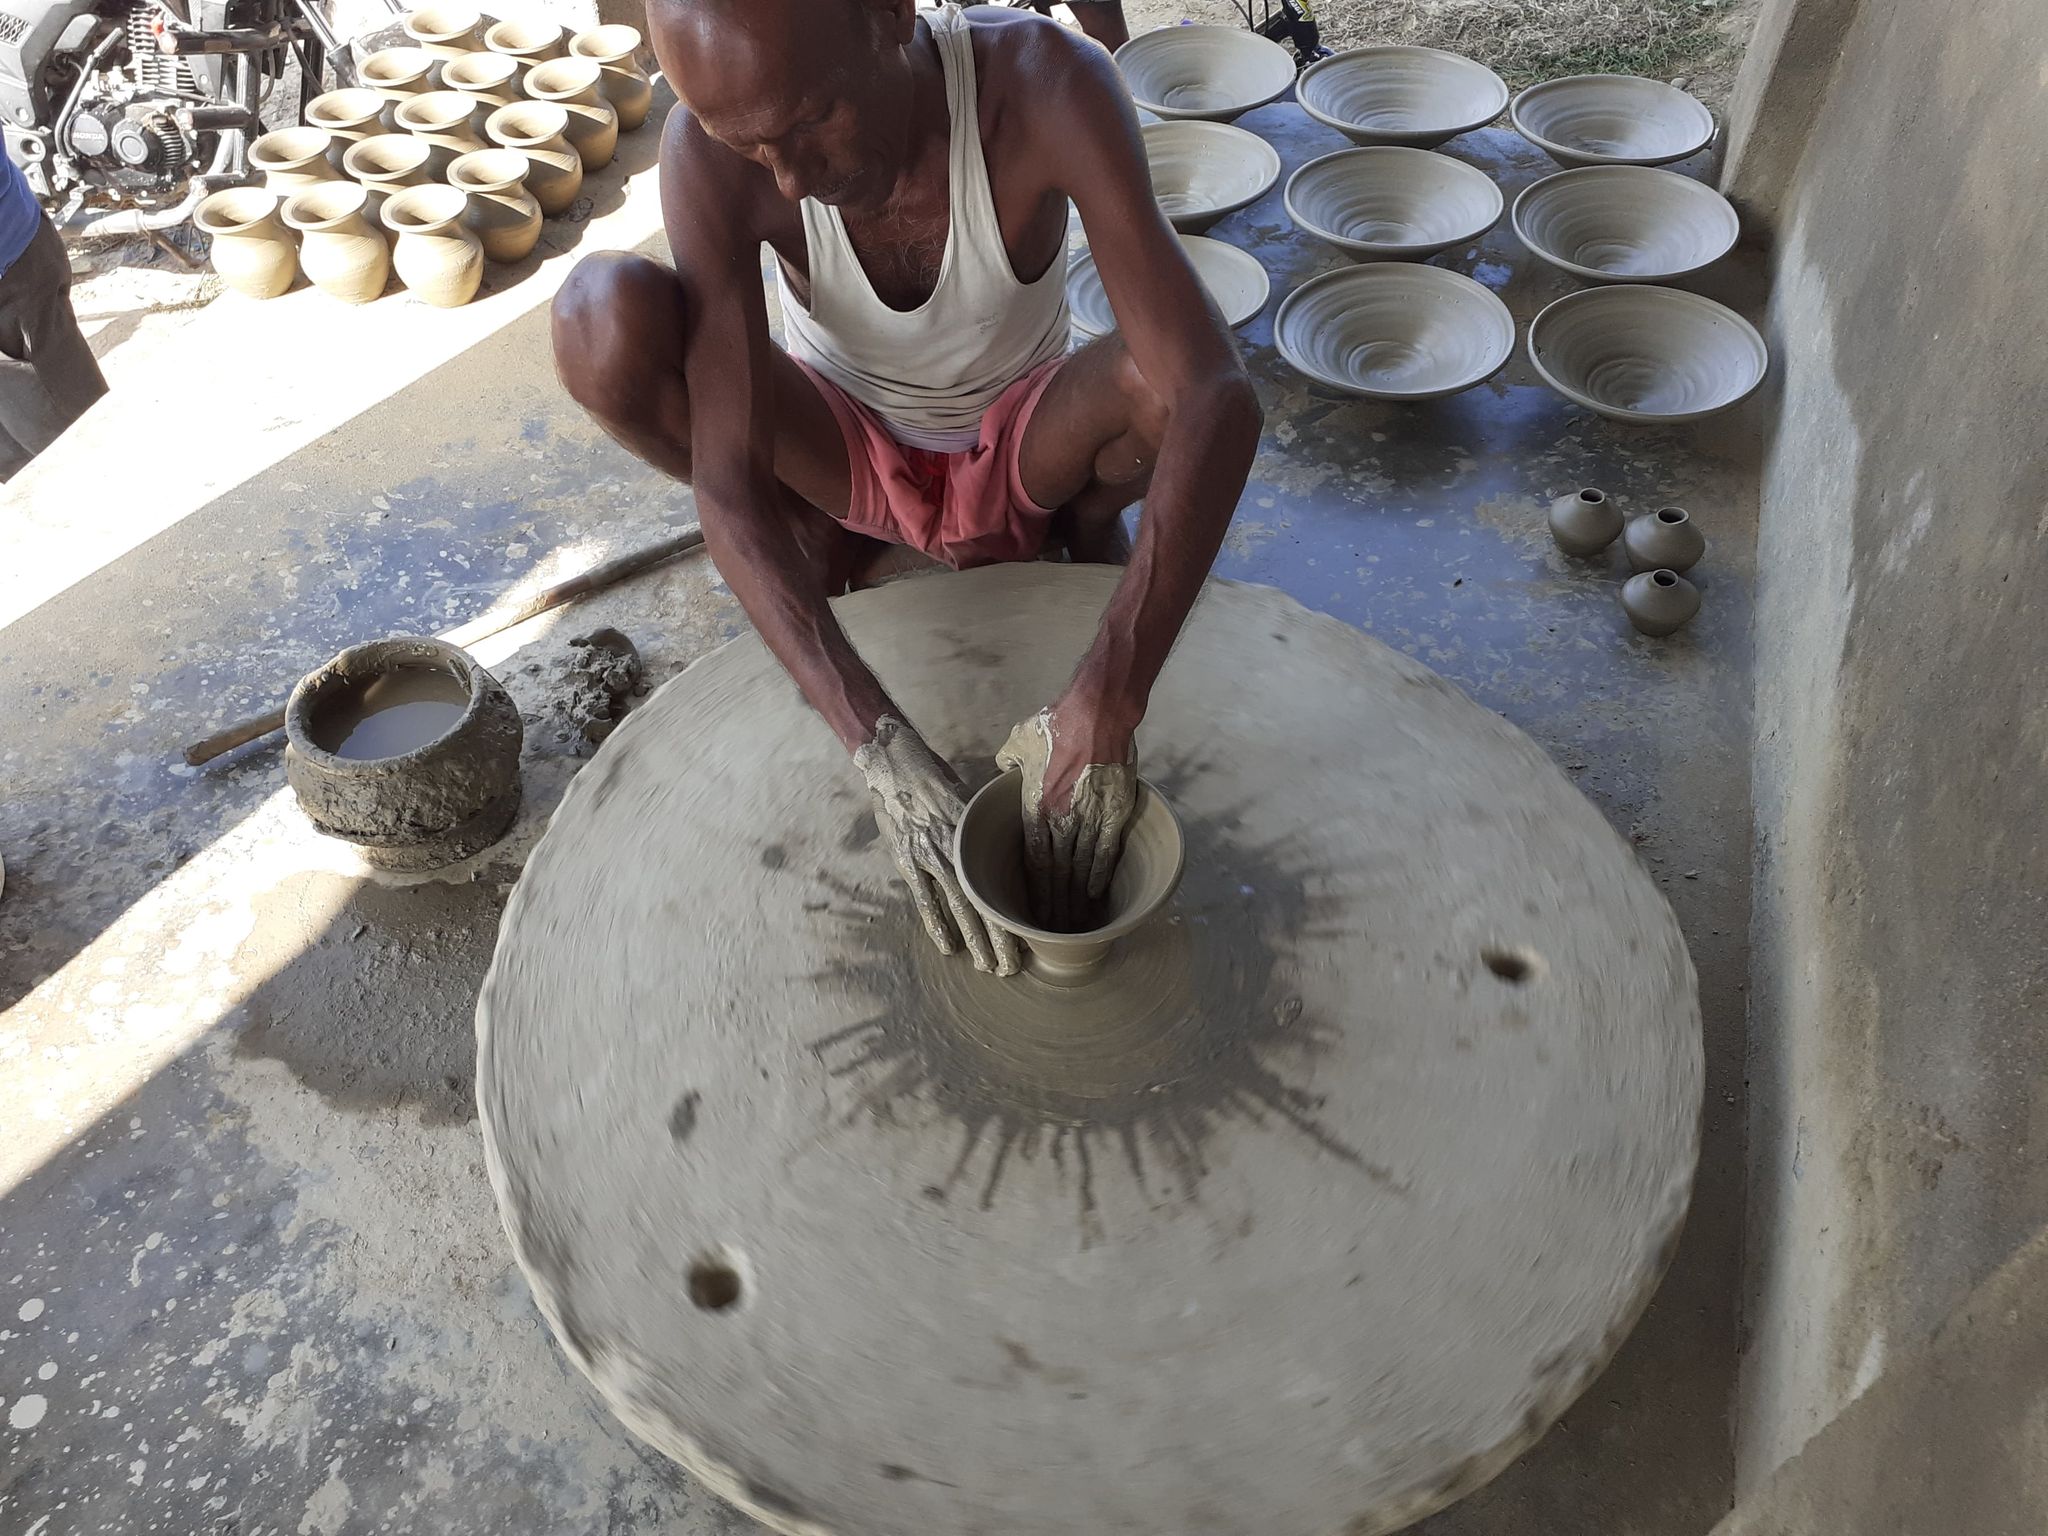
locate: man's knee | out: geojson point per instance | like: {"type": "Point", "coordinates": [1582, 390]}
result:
{"type": "Point", "coordinates": [617, 318]}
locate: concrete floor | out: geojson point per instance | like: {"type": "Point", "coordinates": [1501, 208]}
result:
{"type": "Point", "coordinates": [251, 1276]}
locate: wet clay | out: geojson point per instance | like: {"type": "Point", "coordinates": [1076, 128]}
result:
{"type": "Point", "coordinates": [1311, 1226]}
{"type": "Point", "coordinates": [391, 714]}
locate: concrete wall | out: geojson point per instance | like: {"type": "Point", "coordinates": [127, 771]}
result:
{"type": "Point", "coordinates": [1900, 1005]}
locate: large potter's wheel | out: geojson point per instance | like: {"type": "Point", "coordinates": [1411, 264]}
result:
{"type": "Point", "coordinates": [1322, 1209]}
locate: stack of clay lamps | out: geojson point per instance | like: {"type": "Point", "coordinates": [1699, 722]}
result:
{"type": "Point", "coordinates": [1661, 547]}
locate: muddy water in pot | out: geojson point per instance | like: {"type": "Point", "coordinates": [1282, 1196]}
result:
{"type": "Point", "coordinates": [391, 714]}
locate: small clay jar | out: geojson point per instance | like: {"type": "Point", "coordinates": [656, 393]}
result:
{"type": "Point", "coordinates": [445, 121]}
{"type": "Point", "coordinates": [526, 43]}
{"type": "Point", "coordinates": [447, 799]}
{"type": "Point", "coordinates": [349, 116]}
{"type": "Point", "coordinates": [446, 31]}
{"type": "Point", "coordinates": [489, 78]}
{"type": "Point", "coordinates": [252, 251]}
{"type": "Point", "coordinates": [437, 256]}
{"type": "Point", "coordinates": [574, 84]}
{"type": "Point", "coordinates": [292, 158]}
{"type": "Point", "coordinates": [1584, 522]}
{"type": "Point", "coordinates": [338, 249]}
{"type": "Point", "coordinates": [385, 164]}
{"type": "Point", "coordinates": [554, 171]}
{"type": "Point", "coordinates": [1667, 539]}
{"type": "Point", "coordinates": [625, 83]}
{"type": "Point", "coordinates": [396, 73]}
{"type": "Point", "coordinates": [1659, 603]}
{"type": "Point", "coordinates": [501, 213]}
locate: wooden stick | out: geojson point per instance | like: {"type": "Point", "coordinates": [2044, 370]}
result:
{"type": "Point", "coordinates": [608, 573]}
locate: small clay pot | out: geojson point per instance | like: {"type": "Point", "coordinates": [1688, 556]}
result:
{"type": "Point", "coordinates": [1584, 522]}
{"type": "Point", "coordinates": [1667, 539]}
{"type": "Point", "coordinates": [292, 158]}
{"type": "Point", "coordinates": [384, 164]}
{"type": "Point", "coordinates": [396, 73]}
{"type": "Point", "coordinates": [527, 43]}
{"type": "Point", "coordinates": [1659, 603]}
{"type": "Point", "coordinates": [445, 121]}
{"type": "Point", "coordinates": [501, 213]}
{"type": "Point", "coordinates": [537, 129]}
{"type": "Point", "coordinates": [445, 800]}
{"type": "Point", "coordinates": [350, 116]}
{"type": "Point", "coordinates": [576, 84]}
{"type": "Point", "coordinates": [338, 249]}
{"type": "Point", "coordinates": [446, 31]}
{"type": "Point", "coordinates": [252, 251]}
{"type": "Point", "coordinates": [485, 77]}
{"type": "Point", "coordinates": [437, 256]}
{"type": "Point", "coordinates": [625, 83]}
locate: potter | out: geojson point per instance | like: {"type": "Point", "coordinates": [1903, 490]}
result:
{"type": "Point", "coordinates": [912, 172]}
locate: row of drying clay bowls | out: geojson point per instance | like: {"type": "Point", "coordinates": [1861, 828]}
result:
{"type": "Point", "coordinates": [407, 155]}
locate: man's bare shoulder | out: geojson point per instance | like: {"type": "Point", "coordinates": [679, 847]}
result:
{"type": "Point", "coordinates": [699, 173]}
{"type": "Point", "coordinates": [1038, 63]}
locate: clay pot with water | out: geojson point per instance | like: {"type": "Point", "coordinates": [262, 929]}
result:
{"type": "Point", "coordinates": [407, 748]}
{"type": "Point", "coordinates": [338, 249]}
{"type": "Point", "coordinates": [574, 85]}
{"type": "Point", "coordinates": [350, 116]}
{"type": "Point", "coordinates": [1584, 522]}
{"type": "Point", "coordinates": [1664, 540]}
{"type": "Point", "coordinates": [446, 31]}
{"type": "Point", "coordinates": [624, 82]}
{"type": "Point", "coordinates": [252, 250]}
{"type": "Point", "coordinates": [501, 213]}
{"type": "Point", "coordinates": [437, 256]}
{"type": "Point", "coordinates": [538, 129]}
{"type": "Point", "coordinates": [526, 43]}
{"type": "Point", "coordinates": [396, 73]}
{"type": "Point", "coordinates": [488, 78]}
{"type": "Point", "coordinates": [445, 121]}
{"type": "Point", "coordinates": [384, 165]}
{"type": "Point", "coordinates": [292, 158]}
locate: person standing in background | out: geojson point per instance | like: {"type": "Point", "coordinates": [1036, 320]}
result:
{"type": "Point", "coordinates": [48, 375]}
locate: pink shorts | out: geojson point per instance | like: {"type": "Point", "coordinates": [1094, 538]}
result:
{"type": "Point", "coordinates": [967, 508]}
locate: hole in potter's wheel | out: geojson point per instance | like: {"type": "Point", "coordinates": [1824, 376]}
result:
{"type": "Point", "coordinates": [1513, 966]}
{"type": "Point", "coordinates": [715, 1284]}
{"type": "Point", "coordinates": [390, 713]}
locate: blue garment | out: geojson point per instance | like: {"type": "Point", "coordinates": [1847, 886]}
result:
{"type": "Point", "coordinates": [20, 214]}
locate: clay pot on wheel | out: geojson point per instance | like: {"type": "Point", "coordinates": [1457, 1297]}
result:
{"type": "Point", "coordinates": [446, 31]}
{"type": "Point", "coordinates": [1667, 539]}
{"type": "Point", "coordinates": [490, 78]}
{"type": "Point", "coordinates": [436, 255]}
{"type": "Point", "coordinates": [573, 84]}
{"type": "Point", "coordinates": [501, 213]}
{"type": "Point", "coordinates": [446, 121]}
{"type": "Point", "coordinates": [252, 251]}
{"type": "Point", "coordinates": [445, 799]}
{"type": "Point", "coordinates": [383, 165]}
{"type": "Point", "coordinates": [349, 116]}
{"type": "Point", "coordinates": [537, 129]}
{"type": "Point", "coordinates": [292, 158]}
{"type": "Point", "coordinates": [338, 249]}
{"type": "Point", "coordinates": [396, 73]}
{"type": "Point", "coordinates": [625, 83]}
{"type": "Point", "coordinates": [526, 43]}
{"type": "Point", "coordinates": [1584, 522]}
{"type": "Point", "coordinates": [1659, 603]}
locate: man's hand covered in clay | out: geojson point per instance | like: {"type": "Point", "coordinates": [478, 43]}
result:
{"type": "Point", "coordinates": [918, 803]}
{"type": "Point", "coordinates": [1076, 808]}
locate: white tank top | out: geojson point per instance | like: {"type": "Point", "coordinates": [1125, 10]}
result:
{"type": "Point", "coordinates": [930, 373]}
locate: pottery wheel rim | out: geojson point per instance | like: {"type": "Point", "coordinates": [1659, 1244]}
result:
{"type": "Point", "coordinates": [1292, 1301]}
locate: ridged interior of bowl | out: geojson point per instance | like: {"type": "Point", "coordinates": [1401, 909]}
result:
{"type": "Point", "coordinates": [1622, 117]}
{"type": "Point", "coordinates": [1628, 220]}
{"type": "Point", "coordinates": [1198, 167]}
{"type": "Point", "coordinates": [1404, 90]}
{"type": "Point", "coordinates": [1657, 351]}
{"type": "Point", "coordinates": [1397, 329]}
{"type": "Point", "coordinates": [1394, 198]}
{"type": "Point", "coordinates": [1204, 69]}
{"type": "Point", "coordinates": [1234, 278]}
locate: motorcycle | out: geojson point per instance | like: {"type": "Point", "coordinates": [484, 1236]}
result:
{"type": "Point", "coordinates": [152, 100]}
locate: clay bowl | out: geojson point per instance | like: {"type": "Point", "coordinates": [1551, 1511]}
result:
{"type": "Point", "coordinates": [1234, 278]}
{"type": "Point", "coordinates": [1625, 223]}
{"type": "Point", "coordinates": [1418, 97]}
{"type": "Point", "coordinates": [1651, 355]}
{"type": "Point", "coordinates": [1392, 204]}
{"type": "Point", "coordinates": [1216, 73]}
{"type": "Point", "coordinates": [988, 854]}
{"type": "Point", "coordinates": [1394, 331]}
{"type": "Point", "coordinates": [1611, 120]}
{"type": "Point", "coordinates": [1202, 172]}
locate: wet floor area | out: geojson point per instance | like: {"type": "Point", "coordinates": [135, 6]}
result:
{"type": "Point", "coordinates": [252, 1278]}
